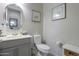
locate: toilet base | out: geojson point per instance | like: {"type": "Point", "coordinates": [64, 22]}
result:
{"type": "Point", "coordinates": [42, 54]}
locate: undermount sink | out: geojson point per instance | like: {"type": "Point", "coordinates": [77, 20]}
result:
{"type": "Point", "coordinates": [10, 35]}
{"type": "Point", "coordinates": [18, 35]}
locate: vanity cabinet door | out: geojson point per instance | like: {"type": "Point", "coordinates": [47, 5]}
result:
{"type": "Point", "coordinates": [9, 52]}
{"type": "Point", "coordinates": [22, 50]}
{"type": "Point", "coordinates": [20, 47]}
{"type": "Point", "coordinates": [25, 50]}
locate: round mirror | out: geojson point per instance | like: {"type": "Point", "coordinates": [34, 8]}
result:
{"type": "Point", "coordinates": [13, 16]}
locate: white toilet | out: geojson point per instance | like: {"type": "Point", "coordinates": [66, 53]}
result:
{"type": "Point", "coordinates": [43, 49]}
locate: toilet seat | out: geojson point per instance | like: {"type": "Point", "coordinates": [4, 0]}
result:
{"type": "Point", "coordinates": [43, 48]}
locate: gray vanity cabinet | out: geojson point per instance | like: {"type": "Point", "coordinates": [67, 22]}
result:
{"type": "Point", "coordinates": [18, 47]}
{"type": "Point", "coordinates": [9, 52]}
{"type": "Point", "coordinates": [25, 50]}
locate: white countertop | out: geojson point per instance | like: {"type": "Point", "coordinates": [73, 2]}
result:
{"type": "Point", "coordinates": [71, 48]}
{"type": "Point", "coordinates": [13, 37]}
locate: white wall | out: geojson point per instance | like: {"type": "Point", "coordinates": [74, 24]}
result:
{"type": "Point", "coordinates": [28, 26]}
{"type": "Point", "coordinates": [65, 30]}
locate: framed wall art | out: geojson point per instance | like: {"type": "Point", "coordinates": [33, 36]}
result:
{"type": "Point", "coordinates": [59, 12]}
{"type": "Point", "coordinates": [36, 16]}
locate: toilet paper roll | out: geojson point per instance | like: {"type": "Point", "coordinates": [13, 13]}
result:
{"type": "Point", "coordinates": [59, 44]}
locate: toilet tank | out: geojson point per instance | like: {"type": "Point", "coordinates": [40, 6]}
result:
{"type": "Point", "coordinates": [37, 39]}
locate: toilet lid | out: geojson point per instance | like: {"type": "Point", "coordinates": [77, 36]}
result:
{"type": "Point", "coordinates": [43, 46]}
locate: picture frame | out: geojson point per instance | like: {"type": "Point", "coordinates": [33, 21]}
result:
{"type": "Point", "coordinates": [59, 12]}
{"type": "Point", "coordinates": [36, 16]}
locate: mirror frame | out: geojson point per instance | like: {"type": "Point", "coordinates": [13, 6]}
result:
{"type": "Point", "coordinates": [17, 8]}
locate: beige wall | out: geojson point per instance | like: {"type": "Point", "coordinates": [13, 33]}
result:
{"type": "Point", "coordinates": [28, 25]}
{"type": "Point", "coordinates": [65, 30]}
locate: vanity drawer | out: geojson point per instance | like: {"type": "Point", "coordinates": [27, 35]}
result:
{"type": "Point", "coordinates": [16, 42]}
{"type": "Point", "coordinates": [70, 53]}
